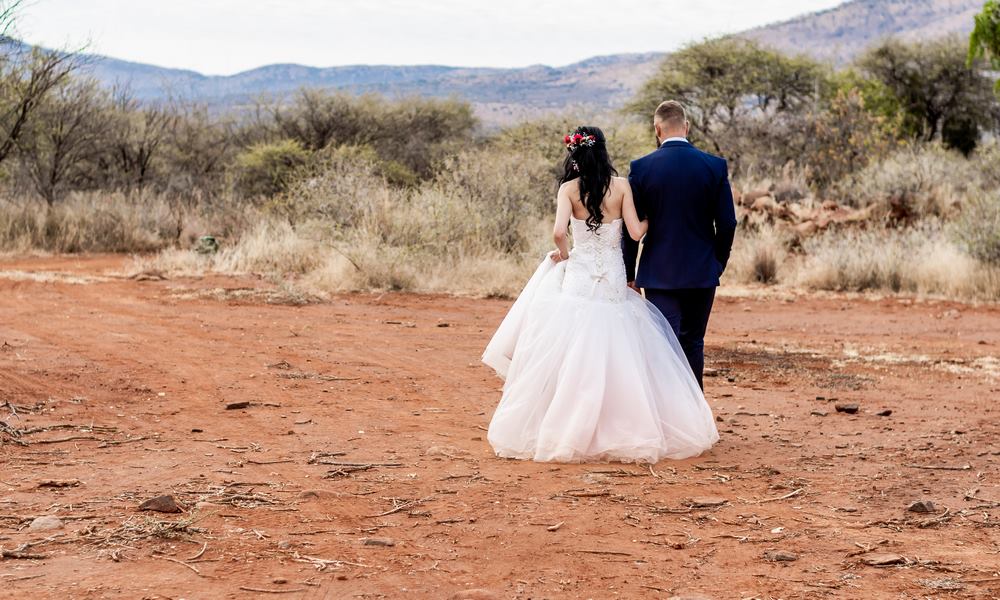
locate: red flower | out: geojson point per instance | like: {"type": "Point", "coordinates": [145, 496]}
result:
{"type": "Point", "coordinates": [577, 138]}
{"type": "Point", "coordinates": [566, 139]}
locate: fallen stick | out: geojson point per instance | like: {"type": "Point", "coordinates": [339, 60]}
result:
{"type": "Point", "coordinates": [180, 562]}
{"type": "Point", "coordinates": [71, 438]}
{"type": "Point", "coordinates": [25, 578]}
{"type": "Point", "coordinates": [15, 554]}
{"type": "Point", "coordinates": [270, 462]}
{"type": "Point", "coordinates": [610, 552]}
{"type": "Point", "coordinates": [400, 507]}
{"type": "Point", "coordinates": [200, 553]}
{"type": "Point", "coordinates": [939, 467]}
{"type": "Point", "coordinates": [795, 492]}
{"type": "Point", "coordinates": [585, 494]}
{"type": "Point", "coordinates": [266, 591]}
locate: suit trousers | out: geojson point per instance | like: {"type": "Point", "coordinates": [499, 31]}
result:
{"type": "Point", "coordinates": [687, 311]}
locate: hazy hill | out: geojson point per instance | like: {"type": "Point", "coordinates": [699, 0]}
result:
{"type": "Point", "coordinates": [596, 84]}
{"type": "Point", "coordinates": [841, 33]}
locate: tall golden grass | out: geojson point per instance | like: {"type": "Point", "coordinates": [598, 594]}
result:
{"type": "Point", "coordinates": [482, 225]}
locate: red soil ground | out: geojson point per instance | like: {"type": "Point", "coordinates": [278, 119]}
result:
{"type": "Point", "coordinates": [122, 386]}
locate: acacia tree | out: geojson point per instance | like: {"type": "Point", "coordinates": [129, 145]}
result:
{"type": "Point", "coordinates": [61, 145]}
{"type": "Point", "coordinates": [26, 77]}
{"type": "Point", "coordinates": [732, 86]}
{"type": "Point", "coordinates": [199, 147]}
{"type": "Point", "coordinates": [984, 41]}
{"type": "Point", "coordinates": [135, 138]}
{"type": "Point", "coordinates": [940, 95]}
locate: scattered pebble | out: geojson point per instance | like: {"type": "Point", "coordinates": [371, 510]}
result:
{"type": "Point", "coordinates": [847, 408]}
{"type": "Point", "coordinates": [706, 502]}
{"type": "Point", "coordinates": [780, 556]}
{"type": "Point", "coordinates": [163, 504]}
{"type": "Point", "coordinates": [922, 506]}
{"type": "Point", "coordinates": [238, 405]}
{"type": "Point", "coordinates": [59, 483]}
{"type": "Point", "coordinates": [883, 560]}
{"type": "Point", "coordinates": [378, 541]}
{"type": "Point", "coordinates": [45, 523]}
{"type": "Point", "coordinates": [884, 413]}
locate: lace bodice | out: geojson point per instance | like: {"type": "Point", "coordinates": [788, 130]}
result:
{"type": "Point", "coordinates": [595, 268]}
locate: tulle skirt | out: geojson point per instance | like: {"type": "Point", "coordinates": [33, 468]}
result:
{"type": "Point", "coordinates": [593, 380]}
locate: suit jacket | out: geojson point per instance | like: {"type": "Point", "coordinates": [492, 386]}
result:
{"type": "Point", "coordinates": [686, 196]}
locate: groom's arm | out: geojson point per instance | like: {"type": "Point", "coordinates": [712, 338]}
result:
{"type": "Point", "coordinates": [630, 247]}
{"type": "Point", "coordinates": [725, 219]}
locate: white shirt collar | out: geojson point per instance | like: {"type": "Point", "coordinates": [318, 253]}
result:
{"type": "Point", "coordinates": [674, 139]}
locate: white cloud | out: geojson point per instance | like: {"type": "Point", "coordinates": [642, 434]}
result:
{"type": "Point", "coordinates": [226, 36]}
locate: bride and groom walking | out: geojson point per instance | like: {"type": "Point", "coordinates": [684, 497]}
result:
{"type": "Point", "coordinates": [593, 370]}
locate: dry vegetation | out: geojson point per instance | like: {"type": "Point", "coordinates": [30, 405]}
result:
{"type": "Point", "coordinates": [845, 181]}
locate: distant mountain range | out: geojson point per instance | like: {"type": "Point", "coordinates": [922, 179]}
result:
{"type": "Point", "coordinates": [839, 34]}
{"type": "Point", "coordinates": [501, 95]}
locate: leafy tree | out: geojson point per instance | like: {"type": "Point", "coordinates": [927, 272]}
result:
{"type": "Point", "coordinates": [268, 169]}
{"type": "Point", "coordinates": [843, 138]}
{"type": "Point", "coordinates": [938, 93]}
{"type": "Point", "coordinates": [411, 135]}
{"type": "Point", "coordinates": [731, 85]}
{"type": "Point", "coordinates": [984, 41]}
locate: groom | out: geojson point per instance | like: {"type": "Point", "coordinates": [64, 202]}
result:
{"type": "Point", "coordinates": [685, 194]}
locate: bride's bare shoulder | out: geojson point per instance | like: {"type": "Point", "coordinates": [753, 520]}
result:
{"type": "Point", "coordinates": [570, 187]}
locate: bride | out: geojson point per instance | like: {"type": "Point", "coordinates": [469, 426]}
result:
{"type": "Point", "coordinates": [593, 372]}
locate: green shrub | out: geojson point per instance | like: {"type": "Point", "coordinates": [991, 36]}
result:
{"type": "Point", "coordinates": [268, 169]}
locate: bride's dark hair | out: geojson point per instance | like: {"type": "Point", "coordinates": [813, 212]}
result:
{"type": "Point", "coordinates": [590, 164]}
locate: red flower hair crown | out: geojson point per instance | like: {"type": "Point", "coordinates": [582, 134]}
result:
{"type": "Point", "coordinates": [575, 140]}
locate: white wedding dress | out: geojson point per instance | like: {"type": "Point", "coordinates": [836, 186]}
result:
{"type": "Point", "coordinates": [592, 370]}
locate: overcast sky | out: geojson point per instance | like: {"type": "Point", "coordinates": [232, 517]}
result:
{"type": "Point", "coordinates": [226, 36]}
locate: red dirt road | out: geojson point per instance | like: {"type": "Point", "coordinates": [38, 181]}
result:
{"type": "Point", "coordinates": [122, 385]}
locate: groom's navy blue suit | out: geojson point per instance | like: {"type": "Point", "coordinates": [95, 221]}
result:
{"type": "Point", "coordinates": [686, 196]}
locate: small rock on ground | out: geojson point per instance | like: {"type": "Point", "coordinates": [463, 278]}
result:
{"type": "Point", "coordinates": [883, 560]}
{"type": "Point", "coordinates": [847, 408]}
{"type": "Point", "coordinates": [705, 502]}
{"type": "Point", "coordinates": [163, 504]}
{"type": "Point", "coordinates": [476, 594]}
{"type": "Point", "coordinates": [45, 523]}
{"type": "Point", "coordinates": [378, 541]}
{"type": "Point", "coordinates": [780, 556]}
{"type": "Point", "coordinates": [921, 506]}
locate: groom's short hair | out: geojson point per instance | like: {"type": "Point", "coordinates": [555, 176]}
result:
{"type": "Point", "coordinates": [671, 112]}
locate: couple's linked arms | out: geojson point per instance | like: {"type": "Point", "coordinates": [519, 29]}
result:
{"type": "Point", "coordinates": [564, 210]}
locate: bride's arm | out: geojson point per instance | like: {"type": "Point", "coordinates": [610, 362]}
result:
{"type": "Point", "coordinates": [636, 228]}
{"type": "Point", "coordinates": [560, 234]}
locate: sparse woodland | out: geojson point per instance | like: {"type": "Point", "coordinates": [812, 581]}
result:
{"type": "Point", "coordinates": [884, 175]}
